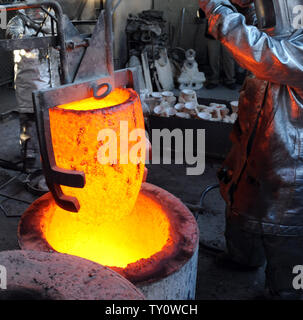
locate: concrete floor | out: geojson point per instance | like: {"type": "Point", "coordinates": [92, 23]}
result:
{"type": "Point", "coordinates": [213, 281]}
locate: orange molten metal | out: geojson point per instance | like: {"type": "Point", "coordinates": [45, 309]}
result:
{"type": "Point", "coordinates": [107, 229]}
{"type": "Point", "coordinates": [115, 242]}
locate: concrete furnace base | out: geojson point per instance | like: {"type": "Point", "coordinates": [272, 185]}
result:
{"type": "Point", "coordinates": [181, 285]}
{"type": "Point", "coordinates": [168, 274]}
{"type": "Point", "coordinates": [54, 276]}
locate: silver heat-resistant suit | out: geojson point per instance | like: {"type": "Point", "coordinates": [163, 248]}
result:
{"type": "Point", "coordinates": [35, 69]}
{"type": "Point", "coordinates": [262, 177]}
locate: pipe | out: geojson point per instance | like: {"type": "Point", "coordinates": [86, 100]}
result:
{"type": "Point", "coordinates": [205, 192]}
{"type": "Point", "coordinates": [109, 11]}
{"type": "Point", "coordinates": [109, 37]}
{"type": "Point", "coordinates": [181, 27]}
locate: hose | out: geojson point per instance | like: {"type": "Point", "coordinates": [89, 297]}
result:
{"type": "Point", "coordinates": [203, 245]}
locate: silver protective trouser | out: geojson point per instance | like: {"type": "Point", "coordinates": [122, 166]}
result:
{"type": "Point", "coordinates": [219, 58]}
{"type": "Point", "coordinates": [30, 150]}
{"type": "Point", "coordinates": [280, 253]}
{"type": "Point", "coordinates": [28, 127]}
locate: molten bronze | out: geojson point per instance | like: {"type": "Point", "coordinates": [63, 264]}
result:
{"type": "Point", "coordinates": [154, 241]}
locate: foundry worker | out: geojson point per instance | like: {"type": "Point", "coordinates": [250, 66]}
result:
{"type": "Point", "coordinates": [262, 177]}
{"type": "Point", "coordinates": [35, 69]}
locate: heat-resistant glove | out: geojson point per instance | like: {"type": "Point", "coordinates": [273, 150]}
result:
{"type": "Point", "coordinates": [210, 6]}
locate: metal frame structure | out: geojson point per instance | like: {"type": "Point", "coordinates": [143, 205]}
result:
{"type": "Point", "coordinates": [91, 67]}
{"type": "Point", "coordinates": [87, 64]}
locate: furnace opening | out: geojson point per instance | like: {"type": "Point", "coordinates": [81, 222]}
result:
{"type": "Point", "coordinates": [114, 243]}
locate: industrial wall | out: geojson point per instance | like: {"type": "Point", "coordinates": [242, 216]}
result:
{"type": "Point", "coordinates": [126, 7]}
{"type": "Point", "coordinates": [193, 35]}
{"type": "Point", "coordinates": [76, 10]}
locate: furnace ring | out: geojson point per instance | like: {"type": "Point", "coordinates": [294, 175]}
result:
{"type": "Point", "coordinates": [55, 276]}
{"type": "Point", "coordinates": [179, 250]}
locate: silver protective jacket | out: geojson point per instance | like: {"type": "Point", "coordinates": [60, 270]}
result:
{"type": "Point", "coordinates": [35, 69]}
{"type": "Point", "coordinates": [262, 177]}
